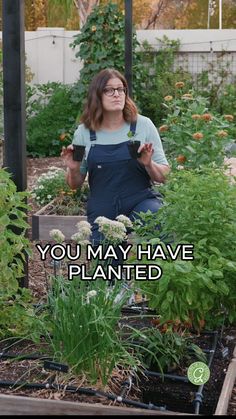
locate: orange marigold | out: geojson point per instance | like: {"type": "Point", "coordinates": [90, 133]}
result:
{"type": "Point", "coordinates": [179, 84]}
{"type": "Point", "coordinates": [181, 158]}
{"type": "Point", "coordinates": [229, 117]}
{"type": "Point", "coordinates": [206, 117]}
{"type": "Point", "coordinates": [197, 136]}
{"type": "Point", "coordinates": [168, 98]}
{"type": "Point", "coordinates": [62, 137]}
{"type": "Point", "coordinates": [163, 128]}
{"type": "Point", "coordinates": [222, 133]}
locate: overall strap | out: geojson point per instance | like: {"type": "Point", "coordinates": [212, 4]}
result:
{"type": "Point", "coordinates": [92, 135]}
{"type": "Point", "coordinates": [133, 127]}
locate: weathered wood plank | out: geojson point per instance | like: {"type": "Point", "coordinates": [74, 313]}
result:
{"type": "Point", "coordinates": [42, 224]}
{"type": "Point", "coordinates": [20, 405]}
{"type": "Point", "coordinates": [223, 402]}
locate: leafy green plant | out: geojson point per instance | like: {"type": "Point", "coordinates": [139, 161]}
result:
{"type": "Point", "coordinates": [215, 77]}
{"type": "Point", "coordinates": [49, 119]}
{"type": "Point", "coordinates": [1, 96]}
{"type": "Point", "coordinates": [159, 77]}
{"type": "Point", "coordinates": [101, 45]}
{"type": "Point", "coordinates": [225, 105]}
{"type": "Point", "coordinates": [192, 135]}
{"type": "Point", "coordinates": [172, 349]}
{"type": "Point", "coordinates": [13, 245]}
{"type": "Point", "coordinates": [16, 318]}
{"type": "Point", "coordinates": [199, 209]}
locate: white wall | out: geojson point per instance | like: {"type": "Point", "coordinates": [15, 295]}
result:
{"type": "Point", "coordinates": [51, 59]}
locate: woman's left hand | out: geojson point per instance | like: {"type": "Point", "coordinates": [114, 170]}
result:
{"type": "Point", "coordinates": [146, 151]}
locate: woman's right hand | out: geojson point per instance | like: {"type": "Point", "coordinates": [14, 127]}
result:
{"type": "Point", "coordinates": [67, 155]}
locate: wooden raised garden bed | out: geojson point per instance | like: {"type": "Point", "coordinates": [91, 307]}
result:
{"type": "Point", "coordinates": [43, 222]}
{"type": "Point", "coordinates": [27, 402]}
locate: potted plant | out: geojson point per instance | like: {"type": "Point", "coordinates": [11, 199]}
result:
{"type": "Point", "coordinates": [133, 145]}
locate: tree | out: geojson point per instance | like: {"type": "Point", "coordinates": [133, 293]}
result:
{"type": "Point", "coordinates": [35, 14]}
{"type": "Point", "coordinates": [84, 8]}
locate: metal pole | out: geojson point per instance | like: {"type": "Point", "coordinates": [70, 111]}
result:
{"type": "Point", "coordinates": [128, 44]}
{"type": "Point", "coordinates": [208, 15]}
{"type": "Point", "coordinates": [220, 14]}
{"type": "Point", "coordinates": [14, 94]}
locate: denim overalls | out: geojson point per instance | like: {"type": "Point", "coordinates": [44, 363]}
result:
{"type": "Point", "coordinates": [118, 184]}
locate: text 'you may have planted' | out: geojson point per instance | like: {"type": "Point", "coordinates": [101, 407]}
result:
{"type": "Point", "coordinates": [100, 260]}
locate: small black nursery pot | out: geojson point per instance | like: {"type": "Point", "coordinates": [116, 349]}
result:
{"type": "Point", "coordinates": [78, 152]}
{"type": "Point", "coordinates": [133, 149]}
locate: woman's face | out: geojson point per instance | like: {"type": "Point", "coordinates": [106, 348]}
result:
{"type": "Point", "coordinates": [113, 100]}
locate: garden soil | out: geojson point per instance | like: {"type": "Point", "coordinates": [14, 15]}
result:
{"type": "Point", "coordinates": [38, 273]}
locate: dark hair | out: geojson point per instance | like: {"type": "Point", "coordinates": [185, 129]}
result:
{"type": "Point", "coordinates": [93, 112]}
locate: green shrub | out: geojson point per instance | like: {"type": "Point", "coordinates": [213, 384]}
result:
{"type": "Point", "coordinates": [17, 315]}
{"type": "Point", "coordinates": [193, 136]}
{"type": "Point", "coordinates": [54, 115]}
{"type": "Point", "coordinates": [159, 78]}
{"type": "Point", "coordinates": [199, 209]}
{"type": "Point", "coordinates": [1, 96]}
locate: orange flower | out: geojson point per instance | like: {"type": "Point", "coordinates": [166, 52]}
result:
{"type": "Point", "coordinates": [63, 137]}
{"type": "Point", "coordinates": [168, 98]}
{"type": "Point", "coordinates": [206, 117]}
{"type": "Point", "coordinates": [179, 84]}
{"type": "Point", "coordinates": [181, 158]}
{"type": "Point", "coordinates": [197, 136]}
{"type": "Point", "coordinates": [196, 116]}
{"type": "Point", "coordinates": [163, 128]}
{"type": "Point", "coordinates": [222, 133]}
{"type": "Point", "coordinates": [202, 323]}
{"type": "Point", "coordinates": [229, 117]}
{"type": "Point", "coordinates": [187, 96]}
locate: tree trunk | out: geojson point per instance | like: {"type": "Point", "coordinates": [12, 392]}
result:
{"type": "Point", "coordinates": [84, 8]}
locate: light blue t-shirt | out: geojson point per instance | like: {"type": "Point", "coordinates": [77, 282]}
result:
{"type": "Point", "coordinates": [146, 132]}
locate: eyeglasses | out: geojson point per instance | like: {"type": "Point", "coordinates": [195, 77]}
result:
{"type": "Point", "coordinates": [110, 91]}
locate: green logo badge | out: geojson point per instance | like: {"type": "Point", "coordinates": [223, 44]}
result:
{"type": "Point", "coordinates": [198, 373]}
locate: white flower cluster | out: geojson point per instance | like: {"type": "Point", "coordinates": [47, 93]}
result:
{"type": "Point", "coordinates": [90, 294]}
{"type": "Point", "coordinates": [113, 231]}
{"type": "Point", "coordinates": [83, 234]}
{"type": "Point", "coordinates": [125, 220]}
{"type": "Point", "coordinates": [48, 185]}
{"type": "Point", "coordinates": [57, 235]}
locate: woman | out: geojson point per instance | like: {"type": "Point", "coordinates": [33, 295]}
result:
{"type": "Point", "coordinates": [119, 184]}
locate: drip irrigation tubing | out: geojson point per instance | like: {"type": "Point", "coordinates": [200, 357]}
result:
{"type": "Point", "coordinates": [199, 396]}
{"type": "Point", "coordinates": [17, 357]}
{"type": "Point", "coordinates": [82, 390]}
{"type": "Point", "coordinates": [125, 386]}
{"type": "Point", "coordinates": [170, 376]}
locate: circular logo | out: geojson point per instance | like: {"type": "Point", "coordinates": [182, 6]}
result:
{"type": "Point", "coordinates": [198, 373]}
